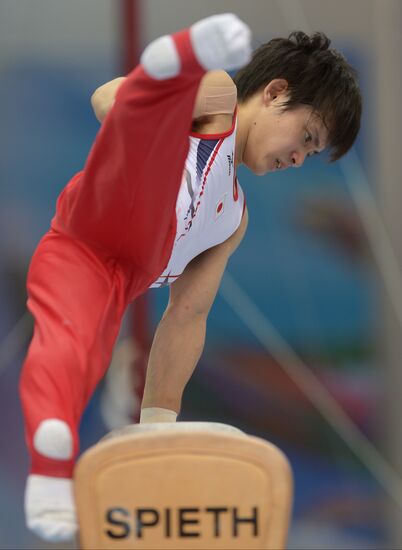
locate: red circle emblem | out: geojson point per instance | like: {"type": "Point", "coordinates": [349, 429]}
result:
{"type": "Point", "coordinates": [235, 189]}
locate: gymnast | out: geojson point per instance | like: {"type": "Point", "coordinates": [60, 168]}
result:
{"type": "Point", "coordinates": [158, 203]}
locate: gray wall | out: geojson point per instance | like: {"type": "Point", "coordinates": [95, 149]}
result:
{"type": "Point", "coordinates": [65, 29]}
{"type": "Point", "coordinates": [344, 19]}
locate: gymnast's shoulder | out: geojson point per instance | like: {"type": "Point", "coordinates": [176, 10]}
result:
{"type": "Point", "coordinates": [215, 103]}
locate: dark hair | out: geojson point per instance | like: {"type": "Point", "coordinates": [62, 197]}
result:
{"type": "Point", "coordinates": [316, 75]}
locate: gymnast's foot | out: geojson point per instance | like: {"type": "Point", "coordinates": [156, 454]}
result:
{"type": "Point", "coordinates": [50, 509]}
{"type": "Point", "coordinates": [219, 42]}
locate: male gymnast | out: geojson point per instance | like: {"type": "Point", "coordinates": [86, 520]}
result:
{"type": "Point", "coordinates": [157, 203]}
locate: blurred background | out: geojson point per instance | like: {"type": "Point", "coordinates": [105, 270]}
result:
{"type": "Point", "coordinates": [310, 314]}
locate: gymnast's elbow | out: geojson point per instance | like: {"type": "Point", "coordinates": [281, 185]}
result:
{"type": "Point", "coordinates": [103, 98]}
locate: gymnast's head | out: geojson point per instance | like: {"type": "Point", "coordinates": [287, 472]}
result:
{"type": "Point", "coordinates": [296, 97]}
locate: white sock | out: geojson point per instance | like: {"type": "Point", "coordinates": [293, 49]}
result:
{"type": "Point", "coordinates": [53, 439]}
{"type": "Point", "coordinates": [50, 508]}
{"type": "Point", "coordinates": [157, 414]}
{"type": "Point", "coordinates": [160, 59]}
{"type": "Point", "coordinates": [219, 42]}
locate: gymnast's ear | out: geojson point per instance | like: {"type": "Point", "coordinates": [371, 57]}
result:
{"type": "Point", "coordinates": [275, 91]}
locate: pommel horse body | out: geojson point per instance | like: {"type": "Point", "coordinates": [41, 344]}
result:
{"type": "Point", "coordinates": [186, 485]}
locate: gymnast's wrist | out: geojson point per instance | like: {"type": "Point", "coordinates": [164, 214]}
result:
{"type": "Point", "coordinates": [157, 414]}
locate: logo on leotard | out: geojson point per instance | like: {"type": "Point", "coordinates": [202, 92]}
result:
{"type": "Point", "coordinates": [220, 206]}
{"type": "Point", "coordinates": [230, 162]}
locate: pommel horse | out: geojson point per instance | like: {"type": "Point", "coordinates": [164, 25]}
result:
{"type": "Point", "coordinates": [186, 485]}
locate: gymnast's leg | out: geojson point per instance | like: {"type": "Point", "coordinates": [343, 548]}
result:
{"type": "Point", "coordinates": [105, 221]}
{"type": "Point", "coordinates": [78, 299]}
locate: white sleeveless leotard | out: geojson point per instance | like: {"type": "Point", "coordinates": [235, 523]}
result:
{"type": "Point", "coordinates": [210, 203]}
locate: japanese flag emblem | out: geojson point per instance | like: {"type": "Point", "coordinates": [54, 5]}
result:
{"type": "Point", "coordinates": [220, 206]}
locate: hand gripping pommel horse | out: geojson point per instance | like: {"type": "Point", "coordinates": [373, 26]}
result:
{"type": "Point", "coordinates": [185, 485]}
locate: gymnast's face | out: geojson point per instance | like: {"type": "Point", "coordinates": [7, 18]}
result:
{"type": "Point", "coordinates": [276, 139]}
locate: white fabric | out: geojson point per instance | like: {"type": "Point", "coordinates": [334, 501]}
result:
{"type": "Point", "coordinates": [50, 508]}
{"type": "Point", "coordinates": [221, 42]}
{"type": "Point", "coordinates": [119, 402]}
{"type": "Point", "coordinates": [157, 414]}
{"type": "Point", "coordinates": [160, 59]}
{"type": "Point", "coordinates": [206, 210]}
{"type": "Point", "coordinates": [53, 439]}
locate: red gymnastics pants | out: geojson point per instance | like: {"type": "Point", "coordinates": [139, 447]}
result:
{"type": "Point", "coordinates": [111, 237]}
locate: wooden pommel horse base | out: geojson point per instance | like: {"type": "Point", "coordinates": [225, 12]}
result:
{"type": "Point", "coordinates": [186, 485]}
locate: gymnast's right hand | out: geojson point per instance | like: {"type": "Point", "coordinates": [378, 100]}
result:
{"type": "Point", "coordinates": [50, 509]}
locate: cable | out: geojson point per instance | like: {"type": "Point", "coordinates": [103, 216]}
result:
{"type": "Point", "coordinates": [375, 230]}
{"type": "Point", "coordinates": [310, 385]}
{"type": "Point", "coordinates": [360, 191]}
{"type": "Point", "coordinates": [373, 223]}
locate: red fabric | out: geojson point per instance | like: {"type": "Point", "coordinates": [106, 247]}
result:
{"type": "Point", "coordinates": [111, 237]}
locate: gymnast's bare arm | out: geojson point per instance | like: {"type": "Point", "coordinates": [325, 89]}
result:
{"type": "Point", "coordinates": [180, 336]}
{"type": "Point", "coordinates": [179, 339]}
{"type": "Point", "coordinates": [103, 98]}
